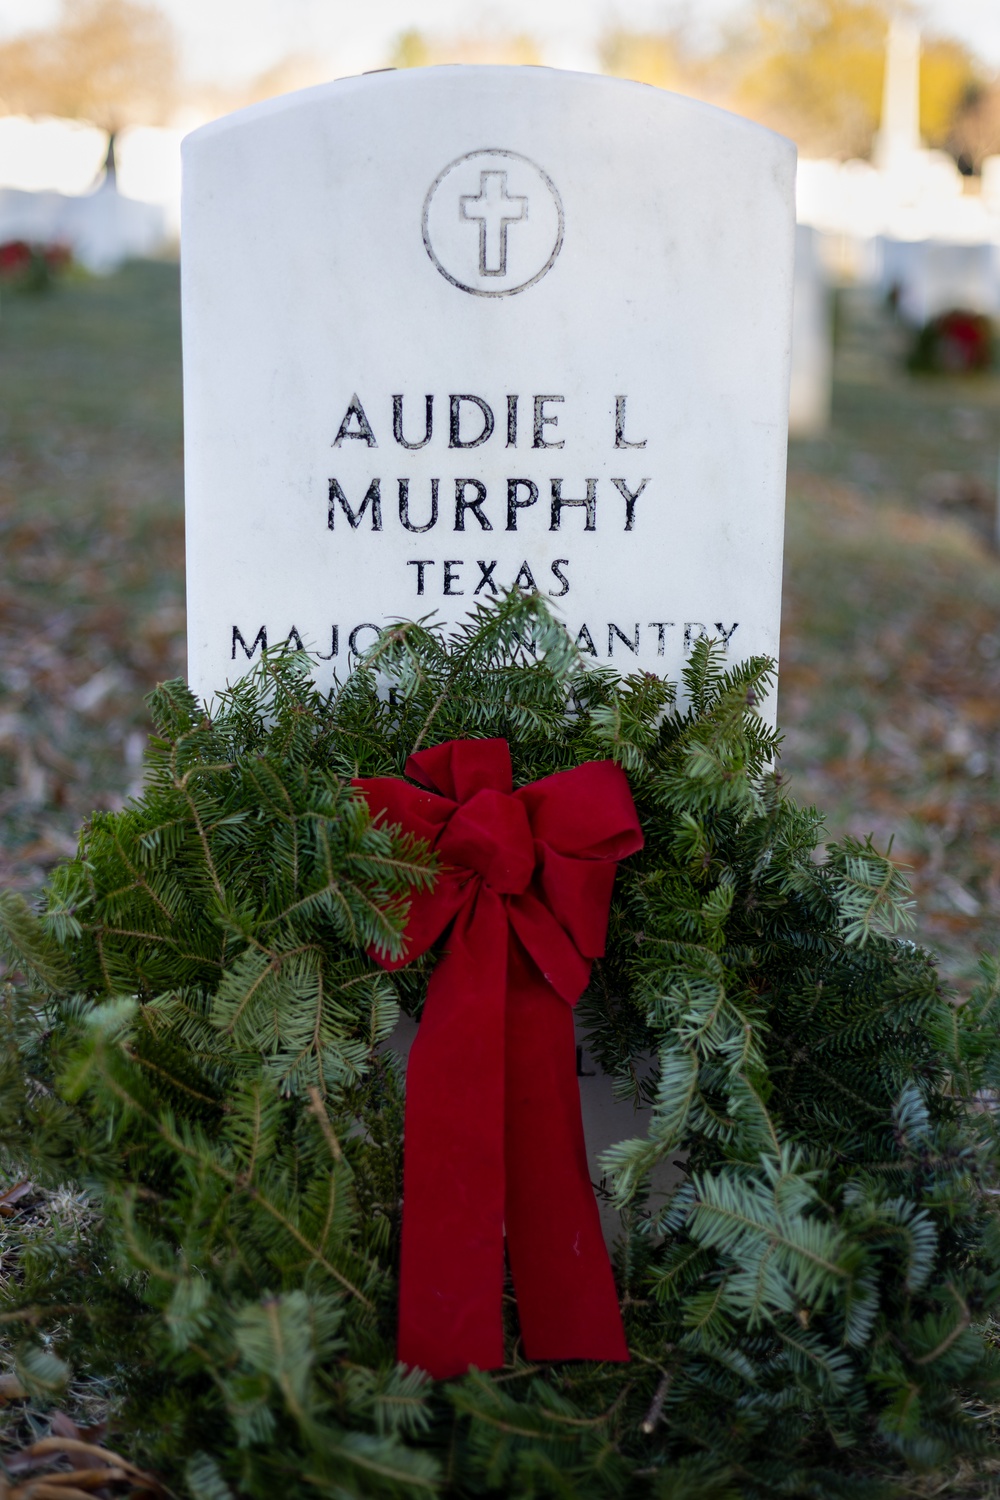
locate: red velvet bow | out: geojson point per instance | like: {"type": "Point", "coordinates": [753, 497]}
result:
{"type": "Point", "coordinates": [494, 1138]}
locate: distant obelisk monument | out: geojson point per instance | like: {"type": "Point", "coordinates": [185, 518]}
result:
{"type": "Point", "coordinates": [898, 139]}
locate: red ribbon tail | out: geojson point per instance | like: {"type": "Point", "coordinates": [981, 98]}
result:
{"type": "Point", "coordinates": [452, 1266]}
{"type": "Point", "coordinates": [566, 1295]}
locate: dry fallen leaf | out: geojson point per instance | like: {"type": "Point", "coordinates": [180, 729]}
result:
{"type": "Point", "coordinates": [11, 1388]}
{"type": "Point", "coordinates": [13, 1195]}
{"type": "Point", "coordinates": [97, 1472]}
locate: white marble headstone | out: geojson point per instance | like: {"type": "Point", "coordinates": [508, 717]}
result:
{"type": "Point", "coordinates": [456, 330]}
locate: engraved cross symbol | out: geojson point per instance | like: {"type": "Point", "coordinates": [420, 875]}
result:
{"type": "Point", "coordinates": [494, 211]}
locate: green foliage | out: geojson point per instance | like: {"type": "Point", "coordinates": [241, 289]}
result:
{"type": "Point", "coordinates": [193, 1036]}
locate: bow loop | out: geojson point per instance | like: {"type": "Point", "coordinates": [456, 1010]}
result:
{"type": "Point", "coordinates": [587, 811]}
{"type": "Point", "coordinates": [578, 894]}
{"type": "Point", "coordinates": [409, 807]}
{"type": "Point", "coordinates": [461, 768]}
{"type": "Point", "coordinates": [555, 954]}
{"type": "Point", "coordinates": [424, 814]}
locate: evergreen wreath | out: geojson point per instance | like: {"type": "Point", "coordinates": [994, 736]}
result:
{"type": "Point", "coordinates": [191, 1034]}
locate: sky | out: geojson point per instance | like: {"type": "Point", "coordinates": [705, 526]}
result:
{"type": "Point", "coordinates": [229, 41]}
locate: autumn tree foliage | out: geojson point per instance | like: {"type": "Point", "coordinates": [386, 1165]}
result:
{"type": "Point", "coordinates": [414, 48]}
{"type": "Point", "coordinates": [110, 62]}
{"type": "Point", "coordinates": [812, 69]}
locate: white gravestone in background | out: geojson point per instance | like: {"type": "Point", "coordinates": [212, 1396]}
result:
{"type": "Point", "coordinates": [811, 386]}
{"type": "Point", "coordinates": [457, 330]}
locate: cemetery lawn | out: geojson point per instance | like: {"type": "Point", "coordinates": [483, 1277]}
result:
{"type": "Point", "coordinates": [91, 537]}
{"type": "Point", "coordinates": [890, 674]}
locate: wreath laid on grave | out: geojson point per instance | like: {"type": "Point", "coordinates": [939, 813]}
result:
{"type": "Point", "coordinates": [32, 268]}
{"type": "Point", "coordinates": [954, 343]}
{"type": "Point", "coordinates": [193, 1036]}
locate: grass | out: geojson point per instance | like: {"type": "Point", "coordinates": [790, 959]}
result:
{"type": "Point", "coordinates": [91, 532]}
{"type": "Point", "coordinates": [891, 651]}
{"type": "Point", "coordinates": [890, 671]}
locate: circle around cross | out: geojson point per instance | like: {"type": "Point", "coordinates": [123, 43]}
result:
{"type": "Point", "coordinates": [493, 222]}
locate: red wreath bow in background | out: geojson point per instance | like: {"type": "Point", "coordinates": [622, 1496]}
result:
{"type": "Point", "coordinates": [493, 1140]}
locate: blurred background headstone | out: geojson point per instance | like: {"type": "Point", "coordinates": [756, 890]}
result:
{"type": "Point", "coordinates": [811, 392]}
{"type": "Point", "coordinates": [74, 168]}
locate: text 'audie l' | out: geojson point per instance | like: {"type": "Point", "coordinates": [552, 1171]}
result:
{"type": "Point", "coordinates": [472, 422]}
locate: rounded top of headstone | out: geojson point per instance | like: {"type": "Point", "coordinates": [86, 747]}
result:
{"type": "Point", "coordinates": [480, 82]}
